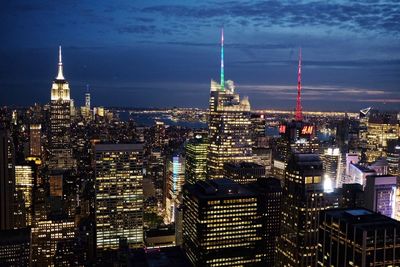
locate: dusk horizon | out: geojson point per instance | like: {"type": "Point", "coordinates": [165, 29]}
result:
{"type": "Point", "coordinates": [157, 55]}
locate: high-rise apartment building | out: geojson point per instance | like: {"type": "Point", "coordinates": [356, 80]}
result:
{"type": "Point", "coordinates": [358, 237]}
{"type": "Point", "coordinates": [196, 159]}
{"type": "Point", "coordinates": [119, 195]}
{"type": "Point", "coordinates": [229, 125]}
{"type": "Point", "coordinates": [301, 204]}
{"type": "Point", "coordinates": [60, 122]}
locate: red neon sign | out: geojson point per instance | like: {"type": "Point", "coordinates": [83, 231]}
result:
{"type": "Point", "coordinates": [307, 130]}
{"type": "Point", "coordinates": [282, 129]}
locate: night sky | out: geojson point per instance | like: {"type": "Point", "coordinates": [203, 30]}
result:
{"type": "Point", "coordinates": [164, 53]}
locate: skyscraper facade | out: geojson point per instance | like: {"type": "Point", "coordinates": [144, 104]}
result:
{"type": "Point", "coordinates": [393, 157]}
{"type": "Point", "coordinates": [47, 234]}
{"type": "Point", "coordinates": [381, 194]}
{"type": "Point", "coordinates": [35, 145]}
{"type": "Point", "coordinates": [119, 195]}
{"type": "Point", "coordinates": [332, 167]}
{"type": "Point", "coordinates": [221, 225]}
{"type": "Point", "coordinates": [382, 127]}
{"type": "Point", "coordinates": [7, 179]}
{"type": "Point", "coordinates": [358, 237]}
{"type": "Point", "coordinates": [60, 122]}
{"type": "Point", "coordinates": [196, 159]}
{"type": "Point", "coordinates": [302, 202]}
{"type": "Point", "coordinates": [24, 182]}
{"type": "Point", "coordinates": [269, 196]}
{"type": "Point", "coordinates": [229, 125]}
{"type": "Point", "coordinates": [15, 247]}
{"type": "Point", "coordinates": [174, 182]}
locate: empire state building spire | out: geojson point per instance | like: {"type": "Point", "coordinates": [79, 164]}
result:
{"type": "Point", "coordinates": [60, 75]}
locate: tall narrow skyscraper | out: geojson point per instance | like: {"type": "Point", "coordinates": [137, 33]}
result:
{"type": "Point", "coordinates": [302, 202]}
{"type": "Point", "coordinates": [229, 125]}
{"type": "Point", "coordinates": [196, 159]}
{"type": "Point", "coordinates": [87, 98]}
{"type": "Point", "coordinates": [60, 122]}
{"type": "Point", "coordinates": [35, 146]}
{"type": "Point", "coordinates": [7, 179]}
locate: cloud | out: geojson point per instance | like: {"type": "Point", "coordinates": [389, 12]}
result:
{"type": "Point", "coordinates": [319, 91]}
{"type": "Point", "coordinates": [356, 63]}
{"type": "Point", "coordinates": [381, 17]}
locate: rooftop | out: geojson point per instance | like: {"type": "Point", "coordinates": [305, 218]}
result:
{"type": "Point", "coordinates": [118, 147]}
{"type": "Point", "coordinates": [363, 218]}
{"type": "Point", "coordinates": [219, 188]}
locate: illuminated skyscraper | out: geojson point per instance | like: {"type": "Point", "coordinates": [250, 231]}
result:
{"type": "Point", "coordinates": [119, 195]}
{"type": "Point", "coordinates": [393, 157]}
{"type": "Point", "coordinates": [296, 136]}
{"type": "Point", "coordinates": [35, 146]}
{"type": "Point", "coordinates": [47, 234]}
{"type": "Point", "coordinates": [24, 184]}
{"type": "Point", "coordinates": [196, 159]}
{"type": "Point", "coordinates": [358, 237]}
{"type": "Point", "coordinates": [159, 134]}
{"type": "Point", "coordinates": [87, 98]}
{"type": "Point", "coordinates": [332, 167]}
{"type": "Point", "coordinates": [85, 110]}
{"type": "Point", "coordinates": [7, 180]}
{"type": "Point", "coordinates": [258, 134]}
{"type": "Point", "coordinates": [382, 127]}
{"type": "Point", "coordinates": [302, 202]}
{"type": "Point", "coordinates": [174, 182]}
{"type": "Point", "coordinates": [229, 125]}
{"type": "Point", "coordinates": [363, 129]}
{"type": "Point", "coordinates": [221, 225]}
{"type": "Point", "coordinates": [60, 122]}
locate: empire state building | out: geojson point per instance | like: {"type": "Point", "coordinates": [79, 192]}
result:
{"type": "Point", "coordinates": [60, 122]}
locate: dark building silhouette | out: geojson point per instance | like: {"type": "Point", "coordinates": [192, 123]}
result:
{"type": "Point", "coordinates": [302, 202]}
{"type": "Point", "coordinates": [358, 237]}
{"type": "Point", "coordinates": [15, 247]}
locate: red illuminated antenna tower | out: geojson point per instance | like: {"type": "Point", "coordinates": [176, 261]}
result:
{"type": "Point", "coordinates": [299, 112]}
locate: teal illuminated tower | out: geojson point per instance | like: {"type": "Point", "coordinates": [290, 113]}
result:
{"type": "Point", "coordinates": [228, 126]}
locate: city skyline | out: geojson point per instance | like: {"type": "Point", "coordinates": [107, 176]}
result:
{"type": "Point", "coordinates": [156, 55]}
